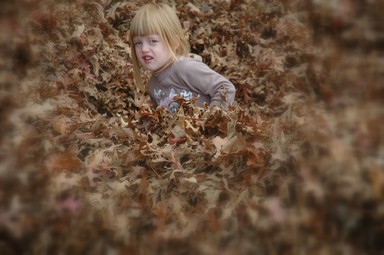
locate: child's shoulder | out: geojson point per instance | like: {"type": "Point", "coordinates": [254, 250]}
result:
{"type": "Point", "coordinates": [195, 56]}
{"type": "Point", "coordinates": [190, 60]}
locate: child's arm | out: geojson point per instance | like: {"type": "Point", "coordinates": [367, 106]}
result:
{"type": "Point", "coordinates": [199, 77]}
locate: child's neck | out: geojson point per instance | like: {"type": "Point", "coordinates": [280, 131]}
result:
{"type": "Point", "coordinates": [169, 62]}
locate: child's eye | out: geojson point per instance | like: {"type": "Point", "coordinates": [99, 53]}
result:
{"type": "Point", "coordinates": [154, 41]}
{"type": "Point", "coordinates": [138, 43]}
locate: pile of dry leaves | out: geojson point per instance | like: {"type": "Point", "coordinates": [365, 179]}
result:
{"type": "Point", "coordinates": [88, 166]}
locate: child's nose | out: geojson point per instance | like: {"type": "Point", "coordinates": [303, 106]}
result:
{"type": "Point", "coordinates": [145, 47]}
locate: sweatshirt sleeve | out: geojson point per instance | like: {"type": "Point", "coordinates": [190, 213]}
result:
{"type": "Point", "coordinates": [197, 76]}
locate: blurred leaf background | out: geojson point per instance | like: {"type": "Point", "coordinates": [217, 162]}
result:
{"type": "Point", "coordinates": [87, 166]}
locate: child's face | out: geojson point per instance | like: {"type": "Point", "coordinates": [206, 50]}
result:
{"type": "Point", "coordinates": [152, 52]}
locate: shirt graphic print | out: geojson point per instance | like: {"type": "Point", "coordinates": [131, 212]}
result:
{"type": "Point", "coordinates": [165, 98]}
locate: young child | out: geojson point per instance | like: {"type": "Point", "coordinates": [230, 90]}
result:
{"type": "Point", "coordinates": [159, 45]}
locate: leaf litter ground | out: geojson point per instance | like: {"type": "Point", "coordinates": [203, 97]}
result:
{"type": "Point", "coordinates": [87, 166]}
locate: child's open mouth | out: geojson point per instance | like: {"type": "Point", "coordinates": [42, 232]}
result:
{"type": "Point", "coordinates": [147, 59]}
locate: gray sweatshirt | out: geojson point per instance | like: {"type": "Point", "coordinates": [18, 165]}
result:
{"type": "Point", "coordinates": [189, 78]}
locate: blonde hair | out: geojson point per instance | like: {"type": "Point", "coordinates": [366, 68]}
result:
{"type": "Point", "coordinates": [162, 20]}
